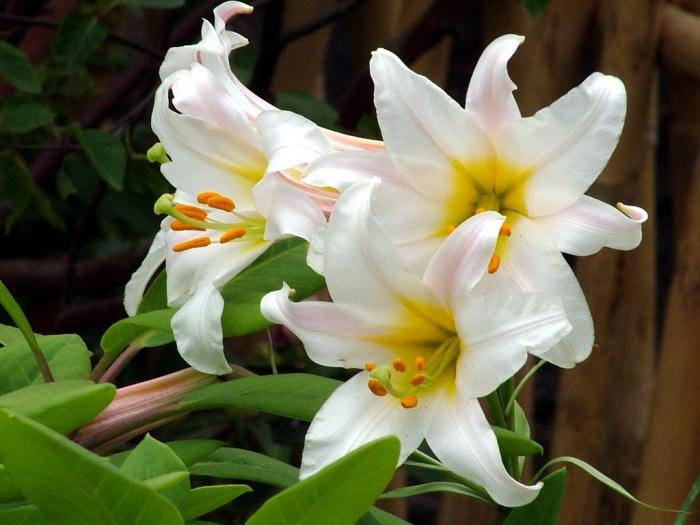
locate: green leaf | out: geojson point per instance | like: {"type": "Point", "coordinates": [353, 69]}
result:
{"type": "Point", "coordinates": [149, 329]}
{"type": "Point", "coordinates": [305, 104]}
{"type": "Point", "coordinates": [62, 406]}
{"type": "Point", "coordinates": [202, 500]}
{"type": "Point", "coordinates": [515, 444]}
{"type": "Point", "coordinates": [522, 427]}
{"type": "Point", "coordinates": [535, 6]}
{"type": "Point", "coordinates": [190, 451]}
{"type": "Point", "coordinates": [375, 516]}
{"type": "Point", "coordinates": [7, 301]}
{"type": "Point", "coordinates": [106, 154]}
{"type": "Point", "coordinates": [545, 509]}
{"type": "Point", "coordinates": [67, 355]}
{"type": "Point", "coordinates": [339, 494]}
{"type": "Point", "coordinates": [16, 187]}
{"type": "Point", "coordinates": [20, 114]}
{"type": "Point", "coordinates": [21, 513]}
{"type": "Point", "coordinates": [70, 485]}
{"type": "Point", "coordinates": [435, 486]}
{"type": "Point", "coordinates": [687, 506]}
{"type": "Point", "coordinates": [156, 296]}
{"type": "Point", "coordinates": [240, 464]}
{"type": "Point", "coordinates": [605, 480]}
{"type": "Point", "coordinates": [17, 70]}
{"type": "Point", "coordinates": [9, 334]}
{"type": "Point", "coordinates": [77, 37]}
{"type": "Point", "coordinates": [297, 396]}
{"type": "Point", "coordinates": [152, 4]}
{"type": "Point", "coordinates": [152, 459]}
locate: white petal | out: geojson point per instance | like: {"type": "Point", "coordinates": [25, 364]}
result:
{"type": "Point", "coordinates": [198, 334]}
{"type": "Point", "coordinates": [290, 140]}
{"type": "Point", "coordinates": [223, 12]}
{"type": "Point", "coordinates": [460, 436]}
{"type": "Point", "coordinates": [135, 288]}
{"type": "Point", "coordinates": [342, 170]}
{"type": "Point", "coordinates": [566, 145]}
{"type": "Point", "coordinates": [352, 417]}
{"type": "Point", "coordinates": [292, 212]}
{"type": "Point", "coordinates": [364, 270]}
{"type": "Point", "coordinates": [490, 95]}
{"type": "Point", "coordinates": [426, 132]}
{"type": "Point", "coordinates": [463, 258]}
{"type": "Point", "coordinates": [497, 332]}
{"type": "Point", "coordinates": [333, 335]}
{"type": "Point", "coordinates": [588, 225]}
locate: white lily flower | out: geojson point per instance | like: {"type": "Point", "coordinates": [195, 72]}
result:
{"type": "Point", "coordinates": [237, 191]}
{"type": "Point", "coordinates": [445, 163]}
{"type": "Point", "coordinates": [429, 347]}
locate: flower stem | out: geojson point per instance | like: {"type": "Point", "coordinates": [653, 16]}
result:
{"type": "Point", "coordinates": [111, 373]}
{"type": "Point", "coordinates": [516, 392]}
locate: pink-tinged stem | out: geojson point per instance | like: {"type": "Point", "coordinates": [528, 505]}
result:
{"type": "Point", "coordinates": [119, 364]}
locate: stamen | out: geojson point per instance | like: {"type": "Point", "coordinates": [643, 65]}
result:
{"type": "Point", "coordinates": [233, 233]}
{"type": "Point", "coordinates": [418, 379]}
{"type": "Point", "coordinates": [409, 401]}
{"type": "Point", "coordinates": [376, 387]}
{"type": "Point", "coordinates": [203, 198]}
{"type": "Point", "coordinates": [420, 363]}
{"type": "Point", "coordinates": [451, 228]}
{"type": "Point", "coordinates": [370, 366]}
{"type": "Point", "coordinates": [220, 202]}
{"type": "Point", "coordinates": [399, 365]}
{"type": "Point", "coordinates": [198, 242]}
{"type": "Point", "coordinates": [193, 212]}
{"type": "Point", "coordinates": [494, 263]}
{"type": "Point", "coordinates": [180, 226]}
{"type": "Point", "coordinates": [505, 230]}
{"type": "Point", "coordinates": [479, 210]}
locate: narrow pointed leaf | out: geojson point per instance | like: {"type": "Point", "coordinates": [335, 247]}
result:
{"type": "Point", "coordinates": [435, 486]}
{"type": "Point", "coordinates": [246, 465]}
{"type": "Point", "coordinates": [202, 500]}
{"type": "Point", "coordinates": [515, 444]}
{"type": "Point", "coordinates": [687, 506]}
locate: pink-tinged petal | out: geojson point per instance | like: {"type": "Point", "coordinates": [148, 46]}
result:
{"type": "Point", "coordinates": [497, 331]}
{"type": "Point", "coordinates": [333, 335]}
{"type": "Point", "coordinates": [565, 147]}
{"type": "Point", "coordinates": [589, 225]}
{"type": "Point", "coordinates": [427, 134]}
{"type": "Point", "coordinates": [462, 259]}
{"type": "Point", "coordinates": [293, 213]}
{"type": "Point", "coordinates": [342, 170]}
{"type": "Point", "coordinates": [290, 140]}
{"type": "Point", "coordinates": [461, 437]}
{"type": "Point", "coordinates": [227, 10]}
{"type": "Point", "coordinates": [352, 417]}
{"type": "Point", "coordinates": [198, 334]}
{"type": "Point", "coordinates": [344, 142]}
{"type": "Point", "coordinates": [490, 95]}
{"type": "Point", "coordinates": [135, 288]}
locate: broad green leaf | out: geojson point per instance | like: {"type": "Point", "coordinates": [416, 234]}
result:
{"type": "Point", "coordinates": [203, 500]}
{"type": "Point", "coordinates": [338, 494]}
{"type": "Point", "coordinates": [21, 513]}
{"type": "Point", "coordinates": [535, 6]}
{"type": "Point", "coordinates": [435, 486]}
{"type": "Point", "coordinates": [240, 464]}
{"type": "Point", "coordinates": [545, 509]}
{"type": "Point", "coordinates": [375, 516]}
{"type": "Point", "coordinates": [152, 4]}
{"type": "Point", "coordinates": [17, 70]}
{"type": "Point", "coordinates": [62, 406]}
{"type": "Point", "coordinates": [156, 296]}
{"type": "Point", "coordinates": [67, 355]}
{"type": "Point", "coordinates": [190, 451]}
{"type": "Point", "coordinates": [20, 114]}
{"type": "Point", "coordinates": [305, 104]}
{"type": "Point", "coordinates": [78, 36]}
{"type": "Point", "coordinates": [71, 485]}
{"type": "Point", "coordinates": [151, 459]}
{"type": "Point", "coordinates": [149, 329]}
{"type": "Point", "coordinates": [515, 444]}
{"type": "Point", "coordinates": [297, 396]}
{"type": "Point", "coordinates": [522, 427]}
{"type": "Point", "coordinates": [9, 334]}
{"type": "Point", "coordinates": [8, 489]}
{"type": "Point", "coordinates": [106, 154]}
{"type": "Point", "coordinates": [687, 506]}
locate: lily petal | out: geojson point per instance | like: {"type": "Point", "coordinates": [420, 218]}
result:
{"type": "Point", "coordinates": [342, 170]}
{"type": "Point", "coordinates": [352, 417]}
{"type": "Point", "coordinates": [292, 212]}
{"type": "Point", "coordinates": [567, 145]}
{"type": "Point", "coordinates": [135, 288]}
{"type": "Point", "coordinates": [460, 436]}
{"type": "Point", "coordinates": [197, 329]}
{"type": "Point", "coordinates": [588, 225]}
{"type": "Point", "coordinates": [490, 95]}
{"type": "Point", "coordinates": [462, 259]}
{"type": "Point", "coordinates": [497, 332]}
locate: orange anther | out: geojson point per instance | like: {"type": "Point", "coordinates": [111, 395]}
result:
{"type": "Point", "coordinates": [180, 226]}
{"type": "Point", "coordinates": [505, 230]}
{"type": "Point", "coordinates": [198, 242]}
{"type": "Point", "coordinates": [376, 387]}
{"type": "Point", "coordinates": [494, 263]}
{"type": "Point", "coordinates": [451, 228]}
{"type": "Point", "coordinates": [420, 363]}
{"type": "Point", "coordinates": [204, 197]}
{"type": "Point", "coordinates": [233, 233]}
{"type": "Point", "coordinates": [221, 203]}
{"type": "Point", "coordinates": [193, 212]}
{"type": "Point", "coordinates": [409, 402]}
{"type": "Point", "coordinates": [479, 210]}
{"type": "Point", "coordinates": [370, 366]}
{"type": "Point", "coordinates": [399, 365]}
{"type": "Point", "coordinates": [418, 379]}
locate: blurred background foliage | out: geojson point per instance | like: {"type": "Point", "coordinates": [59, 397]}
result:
{"type": "Point", "coordinates": [76, 197]}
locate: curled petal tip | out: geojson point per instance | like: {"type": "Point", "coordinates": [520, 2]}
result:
{"type": "Point", "coordinates": [635, 213]}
